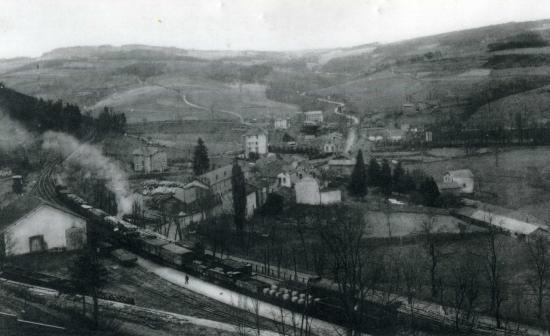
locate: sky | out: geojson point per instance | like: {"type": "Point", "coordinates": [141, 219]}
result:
{"type": "Point", "coordinates": [32, 27]}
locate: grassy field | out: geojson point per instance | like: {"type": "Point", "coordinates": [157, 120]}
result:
{"type": "Point", "coordinates": [520, 181]}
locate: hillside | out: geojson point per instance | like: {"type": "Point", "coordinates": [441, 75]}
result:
{"type": "Point", "coordinates": [455, 73]}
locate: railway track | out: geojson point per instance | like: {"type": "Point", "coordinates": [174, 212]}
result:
{"type": "Point", "coordinates": [205, 308]}
{"type": "Point", "coordinates": [45, 186]}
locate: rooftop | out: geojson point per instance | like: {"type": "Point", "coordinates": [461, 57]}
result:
{"type": "Point", "coordinates": [504, 222]}
{"type": "Point", "coordinates": [466, 173]}
{"type": "Point", "coordinates": [22, 206]}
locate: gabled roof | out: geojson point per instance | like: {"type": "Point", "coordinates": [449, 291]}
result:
{"type": "Point", "coordinates": [23, 206]}
{"type": "Point", "coordinates": [465, 173]}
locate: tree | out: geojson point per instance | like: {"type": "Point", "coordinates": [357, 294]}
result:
{"type": "Point", "coordinates": [373, 173]}
{"type": "Point", "coordinates": [385, 178]}
{"type": "Point", "coordinates": [432, 248]}
{"type": "Point", "coordinates": [341, 230]}
{"type": "Point", "coordinates": [89, 276]}
{"type": "Point", "coordinates": [239, 196]}
{"type": "Point", "coordinates": [465, 282]}
{"type": "Point", "coordinates": [398, 178]}
{"type": "Point", "coordinates": [538, 253]}
{"type": "Point", "coordinates": [201, 162]}
{"type": "Point", "coordinates": [358, 181]}
{"type": "Point", "coordinates": [429, 191]}
{"type": "Point", "coordinates": [494, 268]}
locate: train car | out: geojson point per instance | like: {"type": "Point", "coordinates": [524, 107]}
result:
{"type": "Point", "coordinates": [152, 246]}
{"type": "Point", "coordinates": [230, 265]}
{"type": "Point", "coordinates": [176, 255]}
{"type": "Point", "coordinates": [252, 285]}
{"type": "Point", "coordinates": [124, 257]}
{"type": "Point", "coordinates": [217, 275]}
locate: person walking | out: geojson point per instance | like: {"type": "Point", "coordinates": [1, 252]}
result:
{"type": "Point", "coordinates": [186, 279]}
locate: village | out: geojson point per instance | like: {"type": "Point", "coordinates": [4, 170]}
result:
{"type": "Point", "coordinates": [181, 172]}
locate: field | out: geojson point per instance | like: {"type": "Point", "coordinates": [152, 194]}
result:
{"type": "Point", "coordinates": [521, 180]}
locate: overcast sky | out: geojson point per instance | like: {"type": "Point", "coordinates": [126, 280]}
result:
{"type": "Point", "coordinates": [32, 27]}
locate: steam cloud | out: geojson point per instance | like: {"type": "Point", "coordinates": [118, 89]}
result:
{"type": "Point", "coordinates": [93, 161]}
{"type": "Point", "coordinates": [12, 134]}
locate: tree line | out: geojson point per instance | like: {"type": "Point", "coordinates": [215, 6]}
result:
{"type": "Point", "coordinates": [421, 188]}
{"type": "Point", "coordinates": [40, 115]}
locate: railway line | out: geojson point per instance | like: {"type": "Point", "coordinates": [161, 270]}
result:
{"type": "Point", "coordinates": [205, 307]}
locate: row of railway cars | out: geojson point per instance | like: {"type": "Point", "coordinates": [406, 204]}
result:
{"type": "Point", "coordinates": [319, 296]}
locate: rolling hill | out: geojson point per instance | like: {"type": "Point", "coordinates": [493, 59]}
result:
{"type": "Point", "coordinates": [412, 81]}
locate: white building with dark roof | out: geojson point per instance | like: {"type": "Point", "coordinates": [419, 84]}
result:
{"type": "Point", "coordinates": [310, 191]}
{"type": "Point", "coordinates": [31, 225]}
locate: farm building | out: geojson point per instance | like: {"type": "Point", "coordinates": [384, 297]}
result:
{"type": "Point", "coordinates": [462, 177]}
{"type": "Point", "coordinates": [149, 159]}
{"type": "Point", "coordinates": [309, 191]}
{"type": "Point", "coordinates": [518, 228]}
{"type": "Point", "coordinates": [314, 117]}
{"type": "Point", "coordinates": [30, 225]}
{"type": "Point", "coordinates": [255, 142]}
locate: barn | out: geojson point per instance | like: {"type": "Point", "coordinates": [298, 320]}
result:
{"type": "Point", "coordinates": [30, 225]}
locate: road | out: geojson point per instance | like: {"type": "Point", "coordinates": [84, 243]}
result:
{"type": "Point", "coordinates": [352, 131]}
{"type": "Point", "coordinates": [232, 298]}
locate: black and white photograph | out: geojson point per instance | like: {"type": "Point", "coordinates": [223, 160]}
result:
{"type": "Point", "coordinates": [274, 167]}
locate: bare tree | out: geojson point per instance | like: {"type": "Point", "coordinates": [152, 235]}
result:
{"type": "Point", "coordinates": [494, 269]}
{"type": "Point", "coordinates": [539, 262]}
{"type": "Point", "coordinates": [465, 282]}
{"type": "Point", "coordinates": [342, 229]}
{"type": "Point", "coordinates": [411, 281]}
{"type": "Point", "coordinates": [433, 250]}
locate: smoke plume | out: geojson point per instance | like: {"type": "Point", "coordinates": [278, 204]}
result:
{"type": "Point", "coordinates": [12, 134]}
{"type": "Point", "coordinates": [94, 162]}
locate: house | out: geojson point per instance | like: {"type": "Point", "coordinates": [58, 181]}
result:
{"type": "Point", "coordinates": [30, 225]}
{"type": "Point", "coordinates": [309, 191]}
{"type": "Point", "coordinates": [219, 180]}
{"type": "Point", "coordinates": [149, 159]}
{"type": "Point", "coordinates": [313, 117]}
{"type": "Point", "coordinates": [255, 141]}
{"type": "Point", "coordinates": [334, 143]}
{"type": "Point", "coordinates": [282, 124]}
{"type": "Point", "coordinates": [341, 165]}
{"type": "Point", "coordinates": [284, 180]}
{"type": "Point", "coordinates": [191, 191]}
{"type": "Point", "coordinates": [463, 178]}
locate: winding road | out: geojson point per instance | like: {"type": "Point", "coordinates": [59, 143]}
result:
{"type": "Point", "coordinates": [352, 131]}
{"type": "Point", "coordinates": [200, 107]}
